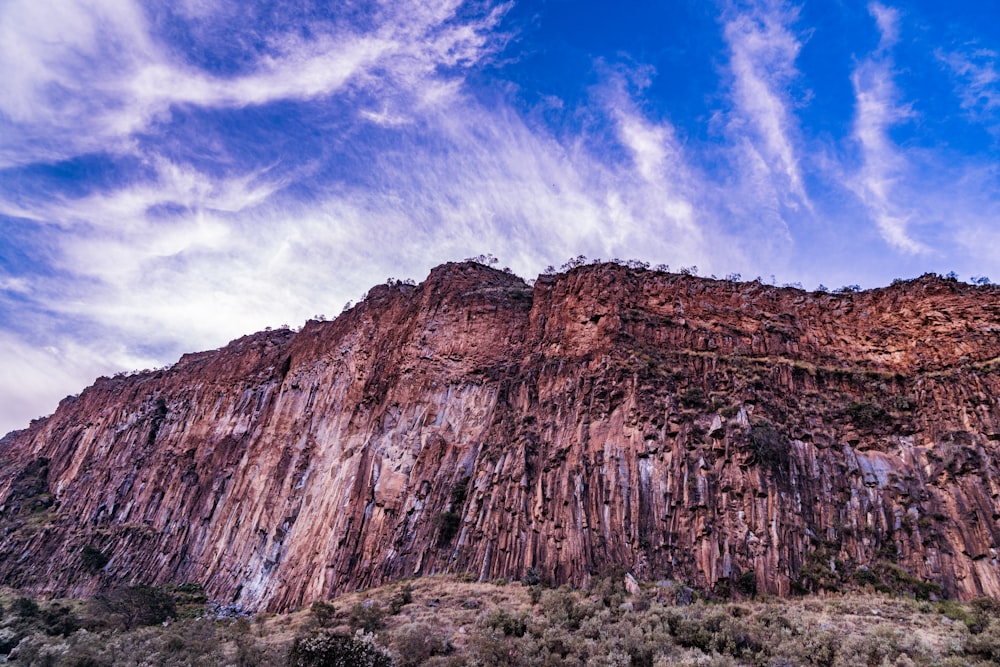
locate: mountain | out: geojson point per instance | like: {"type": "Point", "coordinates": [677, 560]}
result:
{"type": "Point", "coordinates": [732, 436]}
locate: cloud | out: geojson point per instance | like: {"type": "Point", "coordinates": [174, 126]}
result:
{"type": "Point", "coordinates": [887, 20]}
{"type": "Point", "coordinates": [176, 257]}
{"type": "Point", "coordinates": [977, 78]}
{"type": "Point", "coordinates": [63, 62]}
{"type": "Point", "coordinates": [57, 61]}
{"type": "Point", "coordinates": [37, 376]}
{"type": "Point", "coordinates": [763, 50]}
{"type": "Point", "coordinates": [883, 165]}
{"type": "Point", "coordinates": [949, 198]}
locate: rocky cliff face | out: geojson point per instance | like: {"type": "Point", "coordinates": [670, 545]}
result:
{"type": "Point", "coordinates": [726, 435]}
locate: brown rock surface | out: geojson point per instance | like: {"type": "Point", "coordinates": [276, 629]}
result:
{"type": "Point", "coordinates": [720, 434]}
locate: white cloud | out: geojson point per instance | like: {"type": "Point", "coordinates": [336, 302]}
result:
{"type": "Point", "coordinates": [36, 377]}
{"type": "Point", "coordinates": [977, 74]}
{"type": "Point", "coordinates": [230, 260]}
{"type": "Point", "coordinates": [949, 199]}
{"type": "Point", "coordinates": [81, 76]}
{"type": "Point", "coordinates": [887, 20]}
{"type": "Point", "coordinates": [188, 259]}
{"type": "Point", "coordinates": [884, 165]}
{"type": "Point", "coordinates": [48, 47]}
{"type": "Point", "coordinates": [763, 51]}
{"type": "Point", "coordinates": [57, 62]}
{"type": "Point", "coordinates": [16, 285]}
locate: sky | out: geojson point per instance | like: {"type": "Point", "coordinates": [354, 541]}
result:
{"type": "Point", "coordinates": [174, 175]}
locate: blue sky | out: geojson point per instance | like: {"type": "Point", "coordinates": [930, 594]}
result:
{"type": "Point", "coordinates": [174, 175]}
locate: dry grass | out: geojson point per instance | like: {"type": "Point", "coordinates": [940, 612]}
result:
{"type": "Point", "coordinates": [451, 606]}
{"type": "Point", "coordinates": [444, 621]}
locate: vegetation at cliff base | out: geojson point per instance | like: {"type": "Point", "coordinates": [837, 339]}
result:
{"type": "Point", "coordinates": [449, 622]}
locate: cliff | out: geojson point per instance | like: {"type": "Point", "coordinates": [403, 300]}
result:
{"type": "Point", "coordinates": [731, 436]}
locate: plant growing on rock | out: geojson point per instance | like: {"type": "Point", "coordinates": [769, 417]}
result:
{"type": "Point", "coordinates": [93, 559]}
{"type": "Point", "coordinates": [770, 447]}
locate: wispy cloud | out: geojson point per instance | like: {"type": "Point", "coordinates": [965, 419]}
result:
{"type": "Point", "coordinates": [763, 51]}
{"type": "Point", "coordinates": [887, 20]}
{"type": "Point", "coordinates": [63, 62]}
{"type": "Point", "coordinates": [180, 257]}
{"type": "Point", "coordinates": [37, 376]}
{"type": "Point", "coordinates": [977, 77]}
{"type": "Point", "coordinates": [877, 110]}
{"type": "Point", "coordinates": [947, 198]}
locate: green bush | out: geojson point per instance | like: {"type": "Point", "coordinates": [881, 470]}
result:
{"type": "Point", "coordinates": [415, 643]}
{"type": "Point", "coordinates": [326, 649]}
{"type": "Point", "coordinates": [402, 597]}
{"type": "Point", "coordinates": [770, 448]}
{"type": "Point", "coordinates": [93, 559]}
{"type": "Point", "coordinates": [130, 607]}
{"type": "Point", "coordinates": [984, 611]}
{"type": "Point", "coordinates": [746, 584]}
{"type": "Point", "coordinates": [367, 616]}
{"type": "Point", "coordinates": [985, 644]}
{"type": "Point", "coordinates": [976, 615]}
{"type": "Point", "coordinates": [563, 607]}
{"type": "Point", "coordinates": [865, 577]}
{"type": "Point", "coordinates": [694, 398]}
{"type": "Point", "coordinates": [190, 592]}
{"type": "Point", "coordinates": [322, 613]}
{"type": "Point", "coordinates": [459, 493]}
{"type": "Point", "coordinates": [511, 625]}
{"type": "Point", "coordinates": [59, 620]}
{"type": "Point", "coordinates": [25, 607]}
{"type": "Point", "coordinates": [609, 587]}
{"type": "Point", "coordinates": [866, 414]}
{"type": "Point", "coordinates": [190, 599]}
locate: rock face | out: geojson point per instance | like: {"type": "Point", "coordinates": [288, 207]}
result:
{"type": "Point", "coordinates": [730, 436]}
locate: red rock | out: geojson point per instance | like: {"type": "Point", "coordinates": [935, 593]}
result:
{"type": "Point", "coordinates": [697, 430]}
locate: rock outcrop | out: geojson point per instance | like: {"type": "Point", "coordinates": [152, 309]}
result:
{"type": "Point", "coordinates": [731, 436]}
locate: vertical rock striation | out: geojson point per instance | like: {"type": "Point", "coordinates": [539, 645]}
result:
{"type": "Point", "coordinates": [727, 435]}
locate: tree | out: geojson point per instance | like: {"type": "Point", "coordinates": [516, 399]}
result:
{"type": "Point", "coordinates": [131, 607]}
